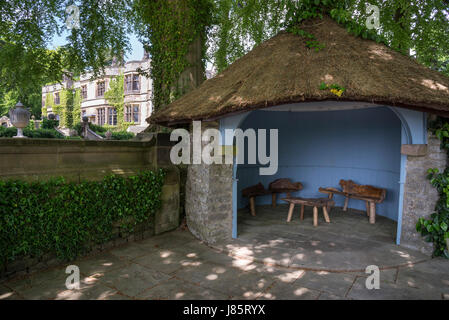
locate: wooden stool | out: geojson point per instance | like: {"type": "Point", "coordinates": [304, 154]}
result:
{"type": "Point", "coordinates": [316, 203]}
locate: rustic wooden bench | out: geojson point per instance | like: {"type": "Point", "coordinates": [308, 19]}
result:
{"type": "Point", "coordinates": [275, 187]}
{"type": "Point", "coordinates": [283, 186]}
{"type": "Point", "coordinates": [316, 203]}
{"type": "Point", "coordinates": [253, 192]}
{"type": "Point", "coordinates": [371, 195]}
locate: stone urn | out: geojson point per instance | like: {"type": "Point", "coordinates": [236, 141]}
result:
{"type": "Point", "coordinates": [20, 117]}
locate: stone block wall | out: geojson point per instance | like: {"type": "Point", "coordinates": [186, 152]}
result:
{"type": "Point", "coordinates": [420, 196]}
{"type": "Point", "coordinates": [77, 160]}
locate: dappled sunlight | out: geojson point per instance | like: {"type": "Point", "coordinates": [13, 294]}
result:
{"type": "Point", "coordinates": [348, 243]}
{"type": "Point", "coordinates": [327, 77]}
{"type": "Point", "coordinates": [6, 295]}
{"type": "Point", "coordinates": [301, 291]}
{"type": "Point", "coordinates": [431, 84]}
{"type": "Point", "coordinates": [379, 52]}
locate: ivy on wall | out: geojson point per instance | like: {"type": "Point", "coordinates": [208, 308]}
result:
{"type": "Point", "coordinates": [66, 108]}
{"type": "Point", "coordinates": [76, 112]}
{"type": "Point", "coordinates": [49, 103]}
{"type": "Point", "coordinates": [67, 218]}
{"type": "Point", "coordinates": [115, 96]}
{"type": "Point", "coordinates": [436, 228]}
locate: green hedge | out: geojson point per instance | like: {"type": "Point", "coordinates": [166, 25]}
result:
{"type": "Point", "coordinates": [68, 219]}
{"type": "Point", "coordinates": [30, 133]}
{"type": "Point", "coordinates": [101, 130]}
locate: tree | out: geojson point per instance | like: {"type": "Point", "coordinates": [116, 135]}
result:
{"type": "Point", "coordinates": [174, 32]}
{"type": "Point", "coordinates": [28, 26]}
{"type": "Point", "coordinates": [420, 25]}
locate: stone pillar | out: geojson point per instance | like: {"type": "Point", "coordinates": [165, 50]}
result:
{"type": "Point", "coordinates": [420, 196]}
{"type": "Point", "coordinates": [209, 199]}
{"type": "Point", "coordinates": [209, 202]}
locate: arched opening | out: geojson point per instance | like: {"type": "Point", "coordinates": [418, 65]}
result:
{"type": "Point", "coordinates": [318, 148]}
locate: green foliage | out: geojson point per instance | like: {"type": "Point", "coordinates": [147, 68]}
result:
{"type": "Point", "coordinates": [117, 134]}
{"type": "Point", "coordinates": [66, 116]}
{"type": "Point", "coordinates": [436, 229]}
{"type": "Point", "coordinates": [31, 133]}
{"type": "Point", "coordinates": [334, 88]}
{"type": "Point", "coordinates": [419, 25]}
{"type": "Point", "coordinates": [115, 96]}
{"type": "Point", "coordinates": [168, 29]}
{"type": "Point", "coordinates": [49, 103]}
{"type": "Point", "coordinates": [122, 135]}
{"type": "Point", "coordinates": [68, 218]}
{"type": "Point", "coordinates": [49, 124]}
{"type": "Point", "coordinates": [76, 113]}
{"type": "Point", "coordinates": [27, 28]}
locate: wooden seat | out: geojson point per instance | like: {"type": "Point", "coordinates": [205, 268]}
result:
{"type": "Point", "coordinates": [283, 186]}
{"type": "Point", "coordinates": [316, 203]}
{"type": "Point", "coordinates": [371, 195]}
{"type": "Point", "coordinates": [253, 192]}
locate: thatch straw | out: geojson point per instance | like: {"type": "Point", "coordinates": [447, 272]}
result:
{"type": "Point", "coordinates": [283, 70]}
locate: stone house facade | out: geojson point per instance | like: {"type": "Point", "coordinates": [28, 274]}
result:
{"type": "Point", "coordinates": [137, 91]}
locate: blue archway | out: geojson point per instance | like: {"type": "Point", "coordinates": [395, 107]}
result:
{"type": "Point", "coordinates": [407, 127]}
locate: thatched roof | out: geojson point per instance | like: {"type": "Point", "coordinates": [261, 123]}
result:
{"type": "Point", "coordinates": [283, 70]}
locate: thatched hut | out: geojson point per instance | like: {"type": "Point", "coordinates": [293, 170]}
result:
{"type": "Point", "coordinates": [375, 132]}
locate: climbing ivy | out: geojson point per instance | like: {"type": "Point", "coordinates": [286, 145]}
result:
{"type": "Point", "coordinates": [436, 228]}
{"type": "Point", "coordinates": [76, 113]}
{"type": "Point", "coordinates": [66, 108]}
{"type": "Point", "coordinates": [49, 103]}
{"type": "Point", "coordinates": [116, 98]}
{"type": "Point", "coordinates": [168, 29]}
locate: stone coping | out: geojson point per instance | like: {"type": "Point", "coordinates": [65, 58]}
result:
{"type": "Point", "coordinates": [7, 142]}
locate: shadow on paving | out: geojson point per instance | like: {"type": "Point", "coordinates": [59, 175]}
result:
{"type": "Point", "coordinates": [176, 266]}
{"type": "Point", "coordinates": [348, 243]}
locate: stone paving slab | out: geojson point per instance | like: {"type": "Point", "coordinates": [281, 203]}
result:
{"type": "Point", "coordinates": [348, 243]}
{"type": "Point", "coordinates": [175, 289]}
{"type": "Point", "coordinates": [176, 266]}
{"type": "Point", "coordinates": [167, 261]}
{"type": "Point", "coordinates": [390, 291]}
{"type": "Point", "coordinates": [131, 280]}
{"type": "Point", "coordinates": [334, 283]}
{"type": "Point", "coordinates": [101, 263]}
{"type": "Point", "coordinates": [283, 291]}
{"type": "Point", "coordinates": [226, 279]}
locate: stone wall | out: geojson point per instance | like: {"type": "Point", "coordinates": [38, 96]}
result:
{"type": "Point", "coordinates": [209, 202]}
{"type": "Point", "coordinates": [78, 160]}
{"type": "Point", "coordinates": [420, 196]}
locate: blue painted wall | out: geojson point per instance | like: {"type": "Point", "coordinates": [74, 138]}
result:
{"type": "Point", "coordinates": [320, 148]}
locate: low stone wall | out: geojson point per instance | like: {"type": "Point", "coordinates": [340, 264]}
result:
{"type": "Point", "coordinates": [420, 196]}
{"type": "Point", "coordinates": [79, 160]}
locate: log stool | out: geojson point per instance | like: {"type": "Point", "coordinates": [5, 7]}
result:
{"type": "Point", "coordinates": [316, 203]}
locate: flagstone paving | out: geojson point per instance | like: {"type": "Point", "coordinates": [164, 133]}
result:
{"type": "Point", "coordinates": [177, 266]}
